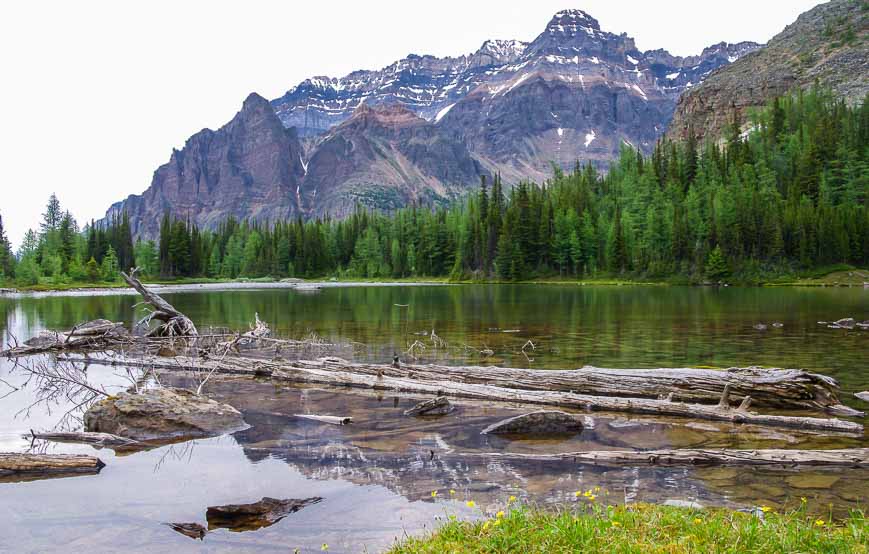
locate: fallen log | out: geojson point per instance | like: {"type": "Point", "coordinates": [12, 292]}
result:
{"type": "Point", "coordinates": [325, 371]}
{"type": "Point", "coordinates": [331, 420]}
{"type": "Point", "coordinates": [769, 388]}
{"type": "Point", "coordinates": [175, 323]}
{"type": "Point", "coordinates": [95, 439]}
{"type": "Point", "coordinates": [248, 517]}
{"type": "Point", "coordinates": [97, 334]}
{"type": "Point", "coordinates": [48, 465]}
{"type": "Point", "coordinates": [846, 457]}
{"type": "Point", "coordinates": [435, 406]}
{"type": "Point", "coordinates": [549, 422]}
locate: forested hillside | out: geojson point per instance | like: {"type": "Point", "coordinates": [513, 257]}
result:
{"type": "Point", "coordinates": [788, 196]}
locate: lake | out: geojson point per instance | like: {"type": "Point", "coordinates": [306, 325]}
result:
{"type": "Point", "coordinates": [377, 475]}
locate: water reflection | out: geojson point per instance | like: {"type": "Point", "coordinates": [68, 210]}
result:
{"type": "Point", "coordinates": [376, 475]}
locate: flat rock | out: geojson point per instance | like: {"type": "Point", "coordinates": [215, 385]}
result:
{"type": "Point", "coordinates": [164, 413]}
{"type": "Point", "coordinates": [249, 517]}
{"type": "Point", "coordinates": [538, 423]}
{"type": "Point", "coordinates": [812, 481]}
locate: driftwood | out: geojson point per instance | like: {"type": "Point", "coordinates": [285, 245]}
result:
{"type": "Point", "coordinates": [247, 517]}
{"type": "Point", "coordinates": [435, 406]}
{"type": "Point", "coordinates": [95, 439]}
{"type": "Point", "coordinates": [96, 334]}
{"type": "Point", "coordinates": [539, 423]}
{"type": "Point", "coordinates": [333, 371]}
{"type": "Point", "coordinates": [768, 388]}
{"type": "Point", "coordinates": [48, 465]}
{"type": "Point", "coordinates": [864, 396]}
{"type": "Point", "coordinates": [847, 457]}
{"type": "Point", "coordinates": [175, 323]}
{"type": "Point", "coordinates": [332, 420]}
{"type": "Point", "coordinates": [192, 530]}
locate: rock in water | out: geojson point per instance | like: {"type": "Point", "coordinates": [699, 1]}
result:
{"type": "Point", "coordinates": [162, 413]}
{"type": "Point", "coordinates": [192, 530]}
{"type": "Point", "coordinates": [436, 406]}
{"type": "Point", "coordinates": [845, 323]}
{"type": "Point", "coordinates": [249, 517]}
{"type": "Point", "coordinates": [864, 396]}
{"type": "Point", "coordinates": [539, 423]}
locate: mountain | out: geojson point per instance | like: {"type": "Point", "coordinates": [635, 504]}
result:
{"type": "Point", "coordinates": [424, 129]}
{"type": "Point", "coordinates": [828, 44]}
{"type": "Point", "coordinates": [251, 167]}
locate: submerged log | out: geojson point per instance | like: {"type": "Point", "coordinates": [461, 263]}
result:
{"type": "Point", "coordinates": [96, 439]}
{"type": "Point", "coordinates": [49, 465]}
{"type": "Point", "coordinates": [331, 420]}
{"type": "Point", "coordinates": [175, 323]}
{"type": "Point", "coordinates": [327, 371]}
{"type": "Point", "coordinates": [436, 406]}
{"type": "Point", "coordinates": [847, 457]}
{"type": "Point", "coordinates": [248, 517]}
{"type": "Point", "coordinates": [539, 423]}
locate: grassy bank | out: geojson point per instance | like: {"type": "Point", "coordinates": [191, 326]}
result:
{"type": "Point", "coordinates": [644, 529]}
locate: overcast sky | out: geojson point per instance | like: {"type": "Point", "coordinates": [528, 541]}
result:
{"type": "Point", "coordinates": [95, 94]}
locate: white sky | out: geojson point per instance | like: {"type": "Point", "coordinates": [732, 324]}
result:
{"type": "Point", "coordinates": [95, 94]}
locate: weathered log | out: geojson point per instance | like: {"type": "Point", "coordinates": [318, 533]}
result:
{"type": "Point", "coordinates": [97, 334]}
{"type": "Point", "coordinates": [247, 517]}
{"type": "Point", "coordinates": [48, 465]}
{"type": "Point", "coordinates": [547, 422]}
{"type": "Point", "coordinates": [331, 420]}
{"type": "Point", "coordinates": [768, 388]}
{"type": "Point", "coordinates": [96, 439]}
{"type": "Point", "coordinates": [326, 371]}
{"type": "Point", "coordinates": [175, 323]}
{"type": "Point", "coordinates": [435, 406]}
{"type": "Point", "coordinates": [192, 530]}
{"type": "Point", "coordinates": [847, 457]}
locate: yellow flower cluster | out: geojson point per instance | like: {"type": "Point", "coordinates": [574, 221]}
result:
{"type": "Point", "coordinates": [587, 494]}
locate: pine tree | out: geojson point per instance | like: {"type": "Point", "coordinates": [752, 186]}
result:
{"type": "Point", "coordinates": [716, 265]}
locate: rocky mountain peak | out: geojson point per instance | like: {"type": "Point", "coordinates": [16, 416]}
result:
{"type": "Point", "coordinates": [572, 21]}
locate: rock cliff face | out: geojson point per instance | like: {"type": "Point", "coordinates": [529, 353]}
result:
{"type": "Point", "coordinates": [250, 167]}
{"type": "Point", "coordinates": [829, 44]}
{"type": "Point", "coordinates": [424, 129]}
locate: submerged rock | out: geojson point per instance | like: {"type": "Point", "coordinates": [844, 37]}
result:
{"type": "Point", "coordinates": [249, 517]}
{"type": "Point", "coordinates": [162, 413]}
{"type": "Point", "coordinates": [539, 423]}
{"type": "Point", "coordinates": [436, 406]}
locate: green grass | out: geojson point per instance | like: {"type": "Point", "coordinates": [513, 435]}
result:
{"type": "Point", "coordinates": [644, 528]}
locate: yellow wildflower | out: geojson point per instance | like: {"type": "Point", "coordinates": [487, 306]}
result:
{"type": "Point", "coordinates": [470, 503]}
{"type": "Point", "coordinates": [803, 499]}
{"type": "Point", "coordinates": [325, 547]}
{"type": "Point", "coordinates": [577, 494]}
{"type": "Point", "coordinates": [434, 494]}
{"type": "Point", "coordinates": [698, 520]}
{"type": "Point", "coordinates": [497, 522]}
{"type": "Point", "coordinates": [616, 524]}
{"type": "Point", "coordinates": [591, 497]}
{"type": "Point", "coordinates": [486, 525]}
{"type": "Point", "coordinates": [597, 489]}
{"type": "Point", "coordinates": [500, 514]}
{"type": "Point", "coordinates": [819, 522]}
{"type": "Point", "coordinates": [452, 492]}
{"type": "Point", "coordinates": [765, 509]}
{"type": "Point", "coordinates": [511, 499]}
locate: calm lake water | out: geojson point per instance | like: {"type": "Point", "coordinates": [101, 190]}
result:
{"type": "Point", "coordinates": [376, 476]}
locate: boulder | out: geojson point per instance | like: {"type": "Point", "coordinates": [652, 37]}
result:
{"type": "Point", "coordinates": [163, 413]}
{"type": "Point", "coordinates": [539, 423]}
